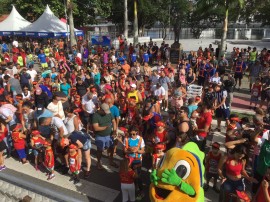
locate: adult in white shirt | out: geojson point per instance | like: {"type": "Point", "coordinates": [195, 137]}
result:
{"type": "Point", "coordinates": [159, 92]}
{"type": "Point", "coordinates": [32, 72]}
{"type": "Point", "coordinates": [89, 109]}
{"type": "Point", "coordinates": [215, 78]}
{"type": "Point", "coordinates": [56, 107]}
{"type": "Point", "coordinates": [15, 43]}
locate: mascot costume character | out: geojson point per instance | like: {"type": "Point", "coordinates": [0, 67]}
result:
{"type": "Point", "coordinates": [179, 176]}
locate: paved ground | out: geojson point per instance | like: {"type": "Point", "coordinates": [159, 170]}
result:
{"type": "Point", "coordinates": [103, 185]}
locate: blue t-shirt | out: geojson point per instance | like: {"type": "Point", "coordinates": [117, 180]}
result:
{"type": "Point", "coordinates": [115, 111]}
{"type": "Point", "coordinates": [65, 88]}
{"type": "Point", "coordinates": [134, 143]}
{"type": "Point", "coordinates": [46, 90]}
{"type": "Point", "coordinates": [145, 57]}
{"type": "Point", "coordinates": [133, 57]}
{"type": "Point", "coordinates": [122, 59]}
{"type": "Point", "coordinates": [191, 108]}
{"type": "Point", "coordinates": [42, 58]}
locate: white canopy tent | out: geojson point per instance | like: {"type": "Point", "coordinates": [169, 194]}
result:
{"type": "Point", "coordinates": [48, 25]}
{"type": "Point", "coordinates": [13, 24]}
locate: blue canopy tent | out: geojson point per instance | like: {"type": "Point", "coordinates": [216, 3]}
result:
{"type": "Point", "coordinates": [13, 24]}
{"type": "Point", "coordinates": [48, 26]}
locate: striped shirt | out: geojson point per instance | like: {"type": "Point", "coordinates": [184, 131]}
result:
{"type": "Point", "coordinates": [219, 96]}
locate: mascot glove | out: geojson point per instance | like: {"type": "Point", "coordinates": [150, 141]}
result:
{"type": "Point", "coordinates": [171, 177]}
{"type": "Point", "coordinates": [154, 178]}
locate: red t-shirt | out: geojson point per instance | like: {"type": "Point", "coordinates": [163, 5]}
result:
{"type": "Point", "coordinates": [205, 119]}
{"type": "Point", "coordinates": [3, 134]}
{"type": "Point", "coordinates": [18, 142]}
{"type": "Point", "coordinates": [47, 158]}
{"type": "Point", "coordinates": [127, 177]}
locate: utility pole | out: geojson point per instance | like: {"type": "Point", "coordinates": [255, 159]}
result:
{"type": "Point", "coordinates": [71, 23]}
{"type": "Point", "coordinates": [135, 25]}
{"type": "Point", "coordinates": [125, 19]}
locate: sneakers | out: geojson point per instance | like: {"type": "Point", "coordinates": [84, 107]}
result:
{"type": "Point", "coordinates": [76, 181]}
{"type": "Point", "coordinates": [51, 176]}
{"type": "Point", "coordinates": [218, 130]}
{"type": "Point", "coordinates": [166, 109]}
{"type": "Point", "coordinates": [2, 167]}
{"type": "Point", "coordinates": [25, 162]}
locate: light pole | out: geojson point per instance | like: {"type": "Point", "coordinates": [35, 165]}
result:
{"type": "Point", "coordinates": [65, 4]}
{"type": "Point", "coordinates": [125, 19]}
{"type": "Point", "coordinates": [71, 23]}
{"type": "Point", "coordinates": [135, 25]}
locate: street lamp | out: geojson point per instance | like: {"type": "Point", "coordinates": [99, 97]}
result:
{"type": "Point", "coordinates": [135, 25]}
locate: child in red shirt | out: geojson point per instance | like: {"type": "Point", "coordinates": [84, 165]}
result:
{"type": "Point", "coordinates": [3, 147]}
{"type": "Point", "coordinates": [161, 136]}
{"type": "Point", "coordinates": [255, 93]}
{"type": "Point", "coordinates": [127, 176]}
{"type": "Point", "coordinates": [159, 153]}
{"type": "Point", "coordinates": [74, 165]}
{"type": "Point", "coordinates": [49, 159]}
{"type": "Point", "coordinates": [19, 143]}
{"type": "Point", "coordinates": [212, 160]}
{"type": "Point", "coordinates": [36, 143]}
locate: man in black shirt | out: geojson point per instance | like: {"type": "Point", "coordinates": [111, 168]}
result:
{"type": "Point", "coordinates": [81, 87]}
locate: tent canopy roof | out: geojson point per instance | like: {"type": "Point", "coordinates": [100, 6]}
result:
{"type": "Point", "coordinates": [47, 22]}
{"type": "Point", "coordinates": [14, 22]}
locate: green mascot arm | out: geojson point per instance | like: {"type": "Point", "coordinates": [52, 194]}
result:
{"type": "Point", "coordinates": [171, 177]}
{"type": "Point", "coordinates": [188, 189]}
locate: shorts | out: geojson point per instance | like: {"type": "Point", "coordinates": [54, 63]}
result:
{"type": "Point", "coordinates": [3, 146]}
{"type": "Point", "coordinates": [238, 75]}
{"type": "Point", "coordinates": [254, 99]}
{"type": "Point", "coordinates": [87, 145]}
{"type": "Point", "coordinates": [21, 153]}
{"type": "Point", "coordinates": [225, 113]}
{"type": "Point", "coordinates": [50, 169]}
{"type": "Point", "coordinates": [103, 142]}
{"type": "Point", "coordinates": [166, 95]}
{"type": "Point", "coordinates": [44, 65]}
{"type": "Point", "coordinates": [35, 152]}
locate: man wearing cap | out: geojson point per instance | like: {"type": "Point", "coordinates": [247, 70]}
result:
{"type": "Point", "coordinates": [104, 126]}
{"type": "Point", "coordinates": [239, 69]}
{"type": "Point", "coordinates": [134, 93]}
{"type": "Point", "coordinates": [159, 92]}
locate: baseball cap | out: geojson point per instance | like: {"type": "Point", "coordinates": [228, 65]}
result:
{"type": "Point", "coordinates": [72, 146]}
{"type": "Point", "coordinates": [108, 87]}
{"type": "Point", "coordinates": [40, 109]}
{"type": "Point", "coordinates": [133, 85]}
{"type": "Point", "coordinates": [160, 146]}
{"type": "Point", "coordinates": [235, 119]}
{"type": "Point", "coordinates": [17, 127]}
{"type": "Point", "coordinates": [38, 90]}
{"type": "Point", "coordinates": [63, 142]}
{"type": "Point", "coordinates": [105, 107]}
{"type": "Point", "coordinates": [216, 145]}
{"type": "Point", "coordinates": [35, 132]}
{"type": "Point", "coordinates": [160, 123]}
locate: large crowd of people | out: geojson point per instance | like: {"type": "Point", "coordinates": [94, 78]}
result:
{"type": "Point", "coordinates": [57, 100]}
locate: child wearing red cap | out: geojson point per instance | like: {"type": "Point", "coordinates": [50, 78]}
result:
{"type": "Point", "coordinates": [158, 154]}
{"type": "Point", "coordinates": [212, 160]}
{"type": "Point", "coordinates": [232, 128]}
{"type": "Point", "coordinates": [161, 135]}
{"type": "Point", "coordinates": [49, 159]}
{"type": "Point", "coordinates": [19, 143]}
{"type": "Point", "coordinates": [37, 142]}
{"type": "Point", "coordinates": [74, 166]}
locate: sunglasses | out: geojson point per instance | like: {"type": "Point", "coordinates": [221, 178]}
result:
{"type": "Point", "coordinates": [181, 112]}
{"type": "Point", "coordinates": [133, 133]}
